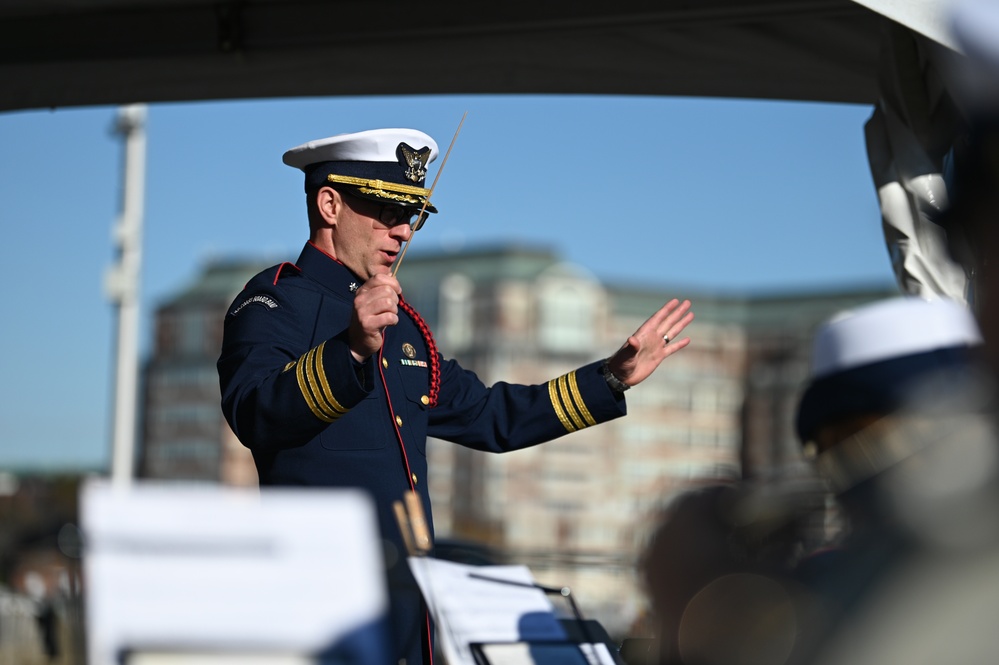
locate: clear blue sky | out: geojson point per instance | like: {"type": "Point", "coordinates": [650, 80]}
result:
{"type": "Point", "coordinates": [679, 194]}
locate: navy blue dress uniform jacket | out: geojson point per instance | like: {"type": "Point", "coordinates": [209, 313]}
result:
{"type": "Point", "coordinates": [293, 393]}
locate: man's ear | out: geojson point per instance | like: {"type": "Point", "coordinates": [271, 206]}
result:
{"type": "Point", "coordinates": [329, 205]}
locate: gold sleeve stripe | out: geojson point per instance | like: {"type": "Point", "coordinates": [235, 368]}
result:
{"type": "Point", "coordinates": [557, 405]}
{"type": "Point", "coordinates": [307, 392]}
{"type": "Point", "coordinates": [310, 386]}
{"type": "Point", "coordinates": [326, 392]}
{"type": "Point", "coordinates": [314, 378]}
{"type": "Point", "coordinates": [309, 360]}
{"type": "Point", "coordinates": [570, 406]}
{"type": "Point", "coordinates": [312, 382]}
{"type": "Point", "coordinates": [578, 399]}
{"type": "Point", "coordinates": [568, 403]}
{"type": "Point", "coordinates": [315, 388]}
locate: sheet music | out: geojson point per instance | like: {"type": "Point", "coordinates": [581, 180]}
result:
{"type": "Point", "coordinates": [548, 654]}
{"type": "Point", "coordinates": [483, 604]}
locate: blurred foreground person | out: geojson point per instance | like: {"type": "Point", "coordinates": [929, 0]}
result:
{"type": "Point", "coordinates": [918, 578]}
{"type": "Point", "coordinates": [716, 573]}
{"type": "Point", "coordinates": [898, 413]}
{"type": "Point", "coordinates": [972, 214]}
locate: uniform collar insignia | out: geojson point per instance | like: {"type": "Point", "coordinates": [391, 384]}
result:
{"type": "Point", "coordinates": [353, 287]}
{"type": "Point", "coordinates": [415, 160]}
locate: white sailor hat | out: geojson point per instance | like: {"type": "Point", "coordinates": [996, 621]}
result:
{"type": "Point", "coordinates": [384, 165]}
{"type": "Point", "coordinates": [882, 357]}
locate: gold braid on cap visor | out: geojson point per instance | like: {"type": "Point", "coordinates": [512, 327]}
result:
{"type": "Point", "coordinates": [385, 190]}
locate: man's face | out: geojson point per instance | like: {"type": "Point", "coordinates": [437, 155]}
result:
{"type": "Point", "coordinates": [363, 242]}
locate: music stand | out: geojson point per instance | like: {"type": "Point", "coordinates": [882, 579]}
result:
{"type": "Point", "coordinates": [197, 573]}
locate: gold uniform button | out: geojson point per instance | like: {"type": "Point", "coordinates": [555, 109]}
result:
{"type": "Point", "coordinates": [415, 479]}
{"type": "Point", "coordinates": [385, 363]}
{"type": "Point", "coordinates": [425, 400]}
{"type": "Point", "coordinates": [398, 421]}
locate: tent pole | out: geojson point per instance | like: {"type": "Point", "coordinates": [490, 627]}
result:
{"type": "Point", "coordinates": [123, 290]}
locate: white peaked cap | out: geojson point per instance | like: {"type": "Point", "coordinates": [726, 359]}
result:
{"type": "Point", "coordinates": [890, 329]}
{"type": "Point", "coordinates": [384, 165]}
{"type": "Point", "coordinates": [373, 145]}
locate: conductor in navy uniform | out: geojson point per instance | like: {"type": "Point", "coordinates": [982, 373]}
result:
{"type": "Point", "coordinates": [332, 379]}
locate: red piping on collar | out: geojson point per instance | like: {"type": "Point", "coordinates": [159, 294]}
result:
{"type": "Point", "coordinates": [324, 252]}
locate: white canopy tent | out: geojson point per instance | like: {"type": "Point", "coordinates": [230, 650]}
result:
{"type": "Point", "coordinates": [887, 53]}
{"type": "Point", "coordinates": [87, 52]}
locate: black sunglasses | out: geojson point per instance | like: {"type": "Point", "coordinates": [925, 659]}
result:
{"type": "Point", "coordinates": [392, 215]}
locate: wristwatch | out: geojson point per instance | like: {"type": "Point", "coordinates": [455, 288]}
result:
{"type": "Point", "coordinates": [615, 383]}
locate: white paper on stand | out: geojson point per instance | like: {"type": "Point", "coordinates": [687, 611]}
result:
{"type": "Point", "coordinates": [489, 605]}
{"type": "Point", "coordinates": [485, 604]}
{"type": "Point", "coordinates": [174, 571]}
{"type": "Point", "coordinates": [559, 654]}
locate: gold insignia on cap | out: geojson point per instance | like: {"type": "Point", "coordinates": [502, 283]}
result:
{"type": "Point", "coordinates": [408, 350]}
{"type": "Point", "coordinates": [416, 160]}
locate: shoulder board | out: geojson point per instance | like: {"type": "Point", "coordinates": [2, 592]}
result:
{"type": "Point", "coordinates": [272, 275]}
{"type": "Point", "coordinates": [284, 270]}
{"type": "Point", "coordinates": [258, 292]}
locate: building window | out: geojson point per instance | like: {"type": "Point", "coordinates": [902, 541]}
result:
{"type": "Point", "coordinates": [456, 312]}
{"type": "Point", "coordinates": [567, 313]}
{"type": "Point", "coordinates": [174, 414]}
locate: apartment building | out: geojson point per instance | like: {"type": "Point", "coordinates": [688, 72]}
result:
{"type": "Point", "coordinates": [576, 510]}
